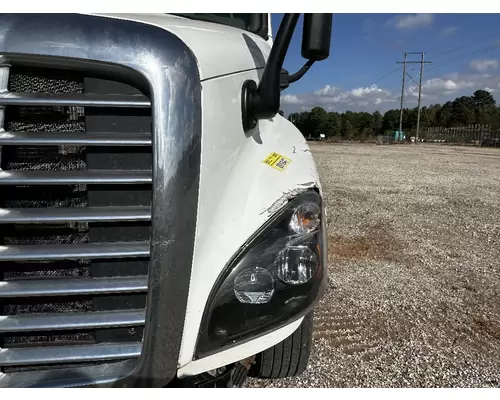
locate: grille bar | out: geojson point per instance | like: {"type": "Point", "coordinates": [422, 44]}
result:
{"type": "Point", "coordinates": [68, 136]}
{"type": "Point", "coordinates": [72, 286]}
{"type": "Point", "coordinates": [74, 99]}
{"type": "Point", "coordinates": [50, 252]}
{"type": "Point", "coordinates": [68, 321]}
{"type": "Point", "coordinates": [76, 376]}
{"type": "Point", "coordinates": [61, 215]}
{"type": "Point", "coordinates": [80, 139]}
{"type": "Point", "coordinates": [68, 354]}
{"type": "Point", "coordinates": [74, 177]}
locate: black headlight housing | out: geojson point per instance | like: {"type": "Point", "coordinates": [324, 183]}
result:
{"type": "Point", "coordinates": [269, 256]}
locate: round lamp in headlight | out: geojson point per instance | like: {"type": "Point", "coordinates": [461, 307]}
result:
{"type": "Point", "coordinates": [254, 287]}
{"type": "Point", "coordinates": [306, 218]}
{"type": "Point", "coordinates": [296, 264]}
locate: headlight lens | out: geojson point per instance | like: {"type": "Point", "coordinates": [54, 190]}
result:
{"type": "Point", "coordinates": [275, 278]}
{"type": "Point", "coordinates": [295, 265]}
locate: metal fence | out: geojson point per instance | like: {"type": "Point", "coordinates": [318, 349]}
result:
{"type": "Point", "coordinates": [479, 135]}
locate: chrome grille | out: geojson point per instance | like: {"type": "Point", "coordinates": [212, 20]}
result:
{"type": "Point", "coordinates": [75, 219]}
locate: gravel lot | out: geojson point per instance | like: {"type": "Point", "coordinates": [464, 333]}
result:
{"type": "Point", "coordinates": [413, 297]}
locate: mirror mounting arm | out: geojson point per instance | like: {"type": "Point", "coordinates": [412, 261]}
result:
{"type": "Point", "coordinates": [286, 78]}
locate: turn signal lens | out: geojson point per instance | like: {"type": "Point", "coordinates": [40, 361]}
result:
{"type": "Point", "coordinates": [306, 218]}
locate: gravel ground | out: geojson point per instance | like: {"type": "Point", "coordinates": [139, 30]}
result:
{"type": "Point", "coordinates": [413, 297]}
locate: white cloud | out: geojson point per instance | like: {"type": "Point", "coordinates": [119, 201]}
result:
{"type": "Point", "coordinates": [290, 99]}
{"type": "Point", "coordinates": [456, 84]}
{"type": "Point", "coordinates": [371, 98]}
{"type": "Point", "coordinates": [438, 86]}
{"type": "Point", "coordinates": [411, 21]}
{"type": "Point", "coordinates": [334, 99]}
{"type": "Point", "coordinates": [326, 91]}
{"type": "Point", "coordinates": [484, 65]}
{"type": "Point", "coordinates": [449, 30]}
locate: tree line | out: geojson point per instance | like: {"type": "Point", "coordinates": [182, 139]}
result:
{"type": "Point", "coordinates": [480, 108]}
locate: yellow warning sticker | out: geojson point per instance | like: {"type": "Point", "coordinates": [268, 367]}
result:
{"type": "Point", "coordinates": [277, 161]}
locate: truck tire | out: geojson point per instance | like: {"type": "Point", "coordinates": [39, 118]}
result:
{"type": "Point", "coordinates": [288, 358]}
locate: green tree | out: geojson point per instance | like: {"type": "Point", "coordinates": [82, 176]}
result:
{"type": "Point", "coordinates": [377, 122]}
{"type": "Point", "coordinates": [346, 128]}
{"type": "Point", "coordinates": [463, 111]}
{"type": "Point", "coordinates": [333, 122]}
{"type": "Point", "coordinates": [444, 115]}
{"type": "Point", "coordinates": [483, 99]}
{"type": "Point", "coordinates": [485, 110]}
{"type": "Point", "coordinates": [479, 108]}
{"type": "Point", "coordinates": [317, 119]}
{"type": "Point", "coordinates": [390, 121]}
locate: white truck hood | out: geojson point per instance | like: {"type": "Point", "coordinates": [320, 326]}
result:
{"type": "Point", "coordinates": [219, 49]}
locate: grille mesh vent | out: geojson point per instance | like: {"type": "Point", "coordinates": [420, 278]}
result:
{"type": "Point", "coordinates": [46, 158]}
{"type": "Point", "coordinates": [109, 280]}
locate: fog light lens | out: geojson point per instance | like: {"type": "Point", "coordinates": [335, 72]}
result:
{"type": "Point", "coordinates": [306, 218]}
{"type": "Point", "coordinates": [254, 287]}
{"type": "Point", "coordinates": [296, 264]}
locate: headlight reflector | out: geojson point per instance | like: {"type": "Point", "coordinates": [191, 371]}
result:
{"type": "Point", "coordinates": [254, 287]}
{"type": "Point", "coordinates": [296, 264]}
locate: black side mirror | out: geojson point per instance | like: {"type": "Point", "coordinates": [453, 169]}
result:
{"type": "Point", "coordinates": [263, 101]}
{"type": "Point", "coordinates": [316, 36]}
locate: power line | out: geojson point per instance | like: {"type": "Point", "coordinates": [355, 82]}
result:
{"type": "Point", "coordinates": [462, 57]}
{"type": "Point", "coordinates": [488, 36]}
{"type": "Point", "coordinates": [457, 58]}
{"type": "Point", "coordinates": [380, 79]}
{"type": "Point", "coordinates": [449, 60]}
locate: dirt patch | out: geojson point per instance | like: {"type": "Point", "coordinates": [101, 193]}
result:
{"type": "Point", "coordinates": [483, 325]}
{"type": "Point", "coordinates": [376, 244]}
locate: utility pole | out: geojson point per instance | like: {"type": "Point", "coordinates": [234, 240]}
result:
{"type": "Point", "coordinates": [405, 62]}
{"type": "Point", "coordinates": [419, 95]}
{"type": "Point", "coordinates": [402, 95]}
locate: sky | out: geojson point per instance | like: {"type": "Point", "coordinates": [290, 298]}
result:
{"type": "Point", "coordinates": [359, 75]}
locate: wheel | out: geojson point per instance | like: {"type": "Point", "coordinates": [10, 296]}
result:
{"type": "Point", "coordinates": [289, 357]}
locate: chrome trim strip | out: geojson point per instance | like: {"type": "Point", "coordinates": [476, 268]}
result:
{"type": "Point", "coordinates": [48, 252]}
{"type": "Point", "coordinates": [68, 354]}
{"type": "Point", "coordinates": [74, 99]}
{"type": "Point", "coordinates": [72, 286]}
{"type": "Point", "coordinates": [71, 320]}
{"type": "Point", "coordinates": [72, 138]}
{"type": "Point", "coordinates": [73, 177]}
{"type": "Point", "coordinates": [98, 375]}
{"type": "Point", "coordinates": [162, 63]}
{"type": "Point", "coordinates": [84, 214]}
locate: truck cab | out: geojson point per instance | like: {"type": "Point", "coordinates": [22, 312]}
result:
{"type": "Point", "coordinates": [161, 223]}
